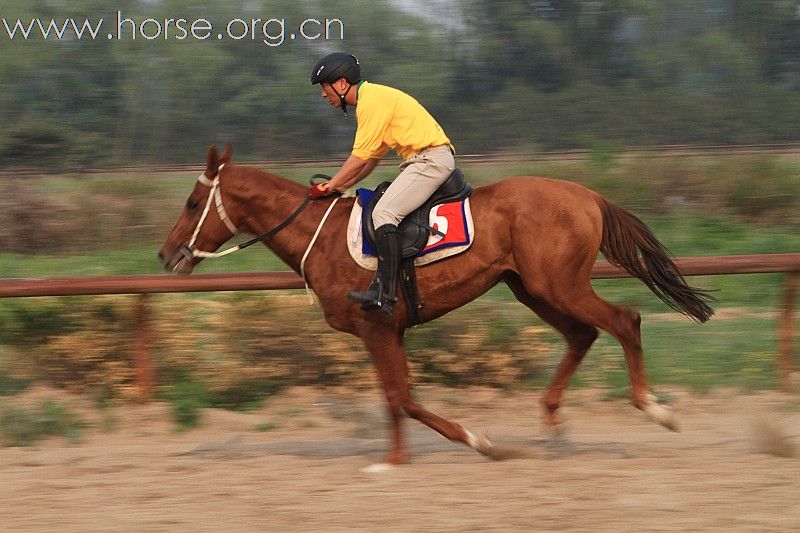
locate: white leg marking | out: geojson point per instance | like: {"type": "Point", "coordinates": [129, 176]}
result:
{"type": "Point", "coordinates": [378, 468]}
{"type": "Point", "coordinates": [472, 440]}
{"type": "Point", "coordinates": [480, 444]}
{"type": "Point", "coordinates": [660, 413]}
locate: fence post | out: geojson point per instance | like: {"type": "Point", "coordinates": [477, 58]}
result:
{"type": "Point", "coordinates": [786, 357]}
{"type": "Point", "coordinates": [144, 374]}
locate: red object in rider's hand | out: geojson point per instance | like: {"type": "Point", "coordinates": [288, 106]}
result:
{"type": "Point", "coordinates": [316, 191]}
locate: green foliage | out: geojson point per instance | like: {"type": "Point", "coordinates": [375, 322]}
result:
{"type": "Point", "coordinates": [737, 352]}
{"type": "Point", "coordinates": [62, 215]}
{"type": "Point", "coordinates": [186, 399]}
{"type": "Point", "coordinates": [29, 322]}
{"type": "Point", "coordinates": [211, 354]}
{"type": "Point", "coordinates": [761, 189]}
{"type": "Point", "coordinates": [23, 426]}
{"type": "Point", "coordinates": [36, 144]}
{"type": "Point", "coordinates": [80, 344]}
{"type": "Point", "coordinates": [488, 343]}
{"type": "Point", "coordinates": [10, 385]}
{"type": "Point", "coordinates": [497, 75]}
{"type": "Point", "coordinates": [602, 155]}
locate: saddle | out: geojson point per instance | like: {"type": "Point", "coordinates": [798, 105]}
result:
{"type": "Point", "coordinates": [415, 231]}
{"type": "Point", "coordinates": [414, 228]}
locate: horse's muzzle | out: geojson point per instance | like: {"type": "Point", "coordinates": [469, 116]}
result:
{"type": "Point", "coordinates": [186, 251]}
{"type": "Point", "coordinates": [179, 262]}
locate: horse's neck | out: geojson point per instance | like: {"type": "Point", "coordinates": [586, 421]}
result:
{"type": "Point", "coordinates": [267, 201]}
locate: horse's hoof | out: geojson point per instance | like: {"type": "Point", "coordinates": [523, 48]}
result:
{"type": "Point", "coordinates": [661, 414]}
{"type": "Point", "coordinates": [557, 432]}
{"type": "Point", "coordinates": [378, 468]}
{"type": "Point", "coordinates": [553, 419]}
{"type": "Point", "coordinates": [481, 444]}
{"type": "Point", "coordinates": [484, 446]}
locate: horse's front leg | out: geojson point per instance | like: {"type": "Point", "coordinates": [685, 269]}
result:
{"type": "Point", "coordinates": [385, 345]}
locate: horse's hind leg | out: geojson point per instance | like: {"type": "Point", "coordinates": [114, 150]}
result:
{"type": "Point", "coordinates": [573, 296]}
{"type": "Point", "coordinates": [388, 355]}
{"type": "Point", "coordinates": [623, 324]}
{"type": "Point", "coordinates": [578, 336]}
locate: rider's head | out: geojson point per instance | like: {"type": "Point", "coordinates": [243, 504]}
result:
{"type": "Point", "coordinates": [337, 73]}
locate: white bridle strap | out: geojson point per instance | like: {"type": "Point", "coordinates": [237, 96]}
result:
{"type": "Point", "coordinates": [205, 181]}
{"type": "Point", "coordinates": [216, 195]}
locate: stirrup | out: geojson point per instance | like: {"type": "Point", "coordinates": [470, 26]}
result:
{"type": "Point", "coordinates": [384, 306]}
{"type": "Point", "coordinates": [373, 300]}
{"type": "Point", "coordinates": [366, 298]}
{"type": "Point", "coordinates": [363, 297]}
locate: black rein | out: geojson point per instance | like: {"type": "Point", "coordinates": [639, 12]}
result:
{"type": "Point", "coordinates": [271, 233]}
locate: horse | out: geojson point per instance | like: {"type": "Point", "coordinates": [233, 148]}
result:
{"type": "Point", "coordinates": [539, 236]}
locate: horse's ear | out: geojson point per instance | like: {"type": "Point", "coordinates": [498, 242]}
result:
{"type": "Point", "coordinates": [226, 154]}
{"type": "Point", "coordinates": [212, 162]}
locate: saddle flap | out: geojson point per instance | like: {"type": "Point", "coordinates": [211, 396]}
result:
{"type": "Point", "coordinates": [414, 229]}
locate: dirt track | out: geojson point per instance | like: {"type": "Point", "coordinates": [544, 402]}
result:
{"type": "Point", "coordinates": [613, 470]}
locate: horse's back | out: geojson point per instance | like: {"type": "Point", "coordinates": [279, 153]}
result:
{"type": "Point", "coordinates": [540, 223]}
{"type": "Point", "coordinates": [543, 199]}
{"type": "Point", "coordinates": [549, 189]}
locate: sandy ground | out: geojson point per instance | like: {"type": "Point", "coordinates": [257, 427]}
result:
{"type": "Point", "coordinates": [611, 470]}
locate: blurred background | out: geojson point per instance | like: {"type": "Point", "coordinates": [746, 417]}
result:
{"type": "Point", "coordinates": [501, 76]}
{"type": "Point", "coordinates": [94, 130]}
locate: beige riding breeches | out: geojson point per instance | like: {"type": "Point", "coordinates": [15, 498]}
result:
{"type": "Point", "coordinates": [421, 175]}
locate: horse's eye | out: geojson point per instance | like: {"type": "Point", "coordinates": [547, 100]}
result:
{"type": "Point", "coordinates": [191, 205]}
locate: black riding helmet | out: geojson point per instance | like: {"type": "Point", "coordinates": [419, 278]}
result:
{"type": "Point", "coordinates": [334, 66]}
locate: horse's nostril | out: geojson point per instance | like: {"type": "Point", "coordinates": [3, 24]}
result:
{"type": "Point", "coordinates": [161, 256]}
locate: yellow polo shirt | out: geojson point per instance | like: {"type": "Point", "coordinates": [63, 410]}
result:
{"type": "Point", "coordinates": [389, 119]}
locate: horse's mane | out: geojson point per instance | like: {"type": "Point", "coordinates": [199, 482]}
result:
{"type": "Point", "coordinates": [259, 177]}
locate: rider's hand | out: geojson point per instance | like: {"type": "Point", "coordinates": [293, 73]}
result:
{"type": "Point", "coordinates": [319, 190]}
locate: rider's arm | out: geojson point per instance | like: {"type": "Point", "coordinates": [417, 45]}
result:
{"type": "Point", "coordinates": [365, 171]}
{"type": "Point", "coordinates": [372, 162]}
{"type": "Point", "coordinates": [368, 149]}
{"type": "Point", "coordinates": [347, 175]}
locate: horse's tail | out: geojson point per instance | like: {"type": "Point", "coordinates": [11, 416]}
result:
{"type": "Point", "coordinates": [629, 244]}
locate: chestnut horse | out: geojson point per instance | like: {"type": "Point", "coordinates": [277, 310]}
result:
{"type": "Point", "coordinates": [539, 236]}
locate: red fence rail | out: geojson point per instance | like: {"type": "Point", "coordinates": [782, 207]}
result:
{"type": "Point", "coordinates": [242, 281]}
{"type": "Point", "coordinates": [151, 284]}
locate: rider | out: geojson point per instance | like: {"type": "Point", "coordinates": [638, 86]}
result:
{"type": "Point", "coordinates": [387, 119]}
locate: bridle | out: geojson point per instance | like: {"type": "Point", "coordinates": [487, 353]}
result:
{"type": "Point", "coordinates": [190, 251]}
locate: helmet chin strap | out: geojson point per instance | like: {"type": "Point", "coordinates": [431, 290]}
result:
{"type": "Point", "coordinates": [342, 102]}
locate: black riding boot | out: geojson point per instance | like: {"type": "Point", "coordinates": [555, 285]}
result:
{"type": "Point", "coordinates": [382, 292]}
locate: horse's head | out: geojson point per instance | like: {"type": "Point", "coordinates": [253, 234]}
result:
{"type": "Point", "coordinates": [203, 225]}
